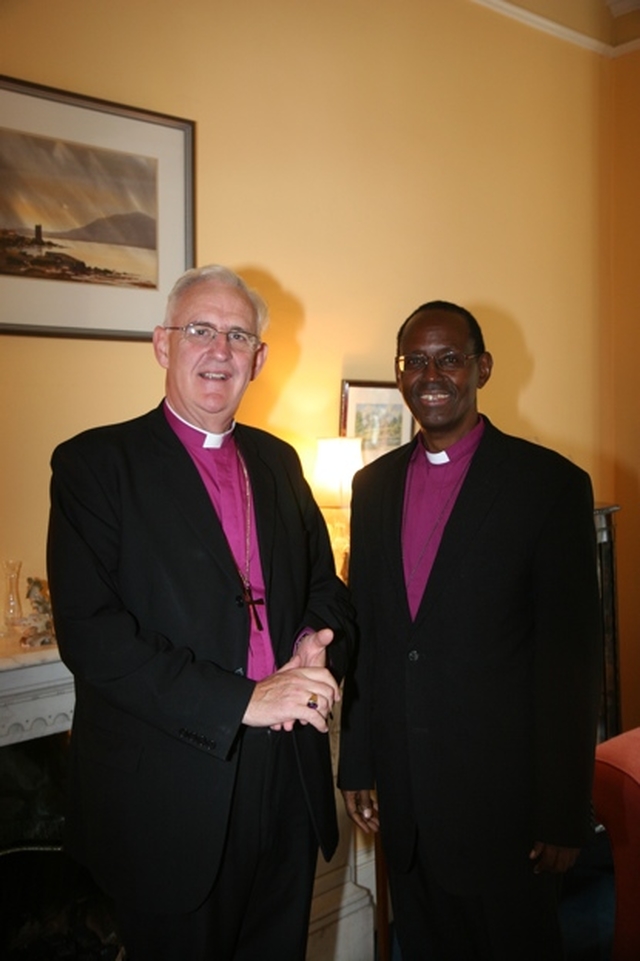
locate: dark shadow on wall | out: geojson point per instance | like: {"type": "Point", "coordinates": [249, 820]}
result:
{"type": "Point", "coordinates": [513, 369]}
{"type": "Point", "coordinates": [283, 337]}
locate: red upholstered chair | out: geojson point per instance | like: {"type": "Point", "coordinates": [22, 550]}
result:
{"type": "Point", "coordinates": [616, 798]}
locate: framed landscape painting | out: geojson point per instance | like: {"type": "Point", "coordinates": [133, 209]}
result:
{"type": "Point", "coordinates": [96, 213]}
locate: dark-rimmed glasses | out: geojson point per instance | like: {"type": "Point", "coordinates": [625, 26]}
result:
{"type": "Point", "coordinates": [239, 340]}
{"type": "Point", "coordinates": [445, 361]}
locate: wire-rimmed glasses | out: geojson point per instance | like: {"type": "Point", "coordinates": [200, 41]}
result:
{"type": "Point", "coordinates": [445, 360]}
{"type": "Point", "coordinates": [238, 339]}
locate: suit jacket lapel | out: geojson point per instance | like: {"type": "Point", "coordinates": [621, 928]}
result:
{"type": "Point", "coordinates": [391, 522]}
{"type": "Point", "coordinates": [188, 494]}
{"type": "Point", "coordinates": [481, 487]}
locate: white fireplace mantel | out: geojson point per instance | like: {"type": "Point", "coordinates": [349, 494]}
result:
{"type": "Point", "coordinates": [36, 692]}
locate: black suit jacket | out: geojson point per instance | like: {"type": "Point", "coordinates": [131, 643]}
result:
{"type": "Point", "coordinates": [477, 721]}
{"type": "Point", "coordinates": [150, 619]}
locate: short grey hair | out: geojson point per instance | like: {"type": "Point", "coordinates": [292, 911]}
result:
{"type": "Point", "coordinates": [217, 274]}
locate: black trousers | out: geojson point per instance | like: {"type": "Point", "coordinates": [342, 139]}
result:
{"type": "Point", "coordinates": [515, 920]}
{"type": "Point", "coordinates": [259, 904]}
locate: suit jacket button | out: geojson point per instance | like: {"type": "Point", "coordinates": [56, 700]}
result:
{"type": "Point", "coordinates": [413, 655]}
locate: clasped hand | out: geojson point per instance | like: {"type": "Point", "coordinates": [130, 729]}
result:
{"type": "Point", "coordinates": [285, 697]}
{"type": "Point", "coordinates": [552, 858]}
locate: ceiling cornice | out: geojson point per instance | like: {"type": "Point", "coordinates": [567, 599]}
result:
{"type": "Point", "coordinates": [558, 30]}
{"type": "Point", "coordinates": [619, 7]}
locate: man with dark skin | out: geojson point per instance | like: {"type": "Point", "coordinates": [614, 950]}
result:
{"type": "Point", "coordinates": [472, 705]}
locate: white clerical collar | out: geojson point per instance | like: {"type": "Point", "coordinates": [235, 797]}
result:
{"type": "Point", "coordinates": [437, 457]}
{"type": "Point", "coordinates": [210, 440]}
{"type": "Point", "coordinates": [466, 445]}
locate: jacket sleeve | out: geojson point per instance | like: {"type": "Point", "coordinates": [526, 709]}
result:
{"type": "Point", "coordinates": [356, 768]}
{"type": "Point", "coordinates": [329, 603]}
{"type": "Point", "coordinates": [567, 672]}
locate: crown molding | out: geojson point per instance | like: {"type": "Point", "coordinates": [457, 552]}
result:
{"type": "Point", "coordinates": [563, 33]}
{"type": "Point", "coordinates": [618, 8]}
{"type": "Point", "coordinates": [623, 48]}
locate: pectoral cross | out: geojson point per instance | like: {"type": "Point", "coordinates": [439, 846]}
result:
{"type": "Point", "coordinates": [252, 603]}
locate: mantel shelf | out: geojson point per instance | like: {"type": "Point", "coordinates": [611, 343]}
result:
{"type": "Point", "coordinates": [36, 692]}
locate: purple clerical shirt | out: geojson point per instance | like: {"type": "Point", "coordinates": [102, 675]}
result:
{"type": "Point", "coordinates": [432, 486]}
{"type": "Point", "coordinates": [218, 461]}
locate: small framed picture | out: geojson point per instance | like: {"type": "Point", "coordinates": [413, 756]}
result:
{"type": "Point", "coordinates": [375, 411]}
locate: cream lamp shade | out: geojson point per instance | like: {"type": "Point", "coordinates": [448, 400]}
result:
{"type": "Point", "coordinates": [337, 460]}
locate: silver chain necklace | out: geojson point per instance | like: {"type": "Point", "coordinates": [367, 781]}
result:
{"type": "Point", "coordinates": [247, 593]}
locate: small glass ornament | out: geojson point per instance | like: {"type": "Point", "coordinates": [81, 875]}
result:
{"type": "Point", "coordinates": [12, 603]}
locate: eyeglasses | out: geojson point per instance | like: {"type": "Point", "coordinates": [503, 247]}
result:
{"type": "Point", "coordinates": [445, 360]}
{"type": "Point", "coordinates": [239, 340]}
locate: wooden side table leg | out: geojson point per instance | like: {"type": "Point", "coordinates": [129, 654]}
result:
{"type": "Point", "coordinates": [382, 904]}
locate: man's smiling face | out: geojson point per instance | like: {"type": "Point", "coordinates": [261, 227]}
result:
{"type": "Point", "coordinates": [205, 383]}
{"type": "Point", "coordinates": [443, 402]}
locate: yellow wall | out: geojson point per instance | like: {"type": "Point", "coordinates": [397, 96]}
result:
{"type": "Point", "coordinates": [623, 332]}
{"type": "Point", "coordinates": [353, 160]}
